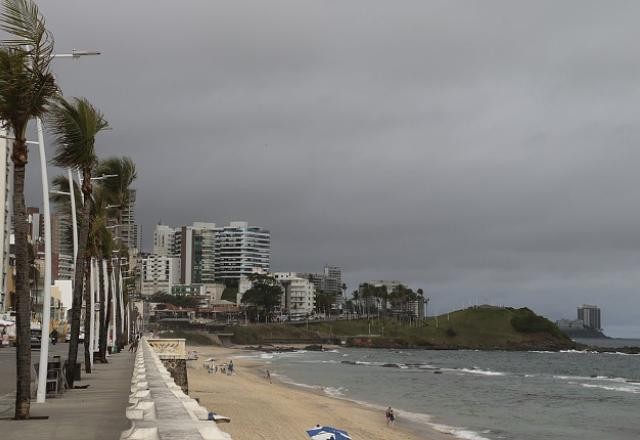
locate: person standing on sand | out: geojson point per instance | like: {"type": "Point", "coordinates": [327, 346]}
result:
{"type": "Point", "coordinates": [390, 416]}
{"type": "Point", "coordinates": [268, 376]}
{"type": "Point", "coordinates": [230, 368]}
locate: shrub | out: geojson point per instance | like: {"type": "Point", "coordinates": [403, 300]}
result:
{"type": "Point", "coordinates": [451, 332]}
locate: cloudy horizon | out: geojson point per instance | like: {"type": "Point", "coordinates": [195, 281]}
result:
{"type": "Point", "coordinates": [484, 152]}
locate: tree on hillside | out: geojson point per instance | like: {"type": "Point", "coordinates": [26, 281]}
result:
{"type": "Point", "coordinates": [265, 293]}
{"type": "Point", "coordinates": [26, 89]}
{"type": "Point", "coordinates": [75, 124]}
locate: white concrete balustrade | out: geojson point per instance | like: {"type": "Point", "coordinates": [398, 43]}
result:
{"type": "Point", "coordinates": [159, 409]}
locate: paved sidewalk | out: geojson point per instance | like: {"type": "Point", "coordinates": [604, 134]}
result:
{"type": "Point", "coordinates": [95, 413]}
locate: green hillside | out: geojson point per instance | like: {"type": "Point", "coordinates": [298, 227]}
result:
{"type": "Point", "coordinates": [473, 328]}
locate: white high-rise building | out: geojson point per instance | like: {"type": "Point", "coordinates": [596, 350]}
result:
{"type": "Point", "coordinates": [197, 253]}
{"type": "Point", "coordinates": [159, 274]}
{"type": "Point", "coordinates": [590, 316]}
{"type": "Point", "coordinates": [241, 249]}
{"type": "Point", "coordinates": [298, 299]}
{"type": "Point", "coordinates": [129, 230]}
{"type": "Point", "coordinates": [164, 238]}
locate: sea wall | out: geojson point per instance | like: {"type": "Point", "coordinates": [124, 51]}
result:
{"type": "Point", "coordinates": [178, 370]}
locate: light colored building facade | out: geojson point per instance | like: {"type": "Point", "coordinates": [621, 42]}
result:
{"type": "Point", "coordinates": [129, 230]}
{"type": "Point", "coordinates": [208, 294]}
{"type": "Point", "coordinates": [590, 316]}
{"type": "Point", "coordinates": [209, 253]}
{"type": "Point", "coordinates": [298, 298]}
{"type": "Point", "coordinates": [158, 274]}
{"type": "Point", "coordinates": [164, 241]}
{"type": "Point", "coordinates": [197, 253]}
{"type": "Point", "coordinates": [241, 249]}
{"type": "Point", "coordinates": [329, 281]}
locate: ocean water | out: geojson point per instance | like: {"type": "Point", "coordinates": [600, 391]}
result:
{"type": "Point", "coordinates": [482, 395]}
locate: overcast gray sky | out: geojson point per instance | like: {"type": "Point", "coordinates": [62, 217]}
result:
{"type": "Point", "coordinates": [483, 151]}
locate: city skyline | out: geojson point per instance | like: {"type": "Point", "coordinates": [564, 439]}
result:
{"type": "Point", "coordinates": [419, 144]}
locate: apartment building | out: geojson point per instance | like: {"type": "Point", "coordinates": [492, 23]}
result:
{"type": "Point", "coordinates": [298, 298]}
{"type": "Point", "coordinates": [241, 249]}
{"type": "Point", "coordinates": [158, 274]}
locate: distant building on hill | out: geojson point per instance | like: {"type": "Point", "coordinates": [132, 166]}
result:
{"type": "Point", "coordinates": [590, 316]}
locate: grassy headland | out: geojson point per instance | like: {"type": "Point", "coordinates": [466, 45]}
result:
{"type": "Point", "coordinates": [488, 328]}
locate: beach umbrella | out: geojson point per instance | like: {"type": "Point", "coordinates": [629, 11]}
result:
{"type": "Point", "coordinates": [327, 433]}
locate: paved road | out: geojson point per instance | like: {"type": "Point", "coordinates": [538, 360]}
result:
{"type": "Point", "coordinates": [8, 372]}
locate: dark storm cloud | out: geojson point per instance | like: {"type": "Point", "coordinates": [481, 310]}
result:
{"type": "Point", "coordinates": [480, 150]}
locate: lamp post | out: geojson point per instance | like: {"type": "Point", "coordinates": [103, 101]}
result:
{"type": "Point", "coordinates": [46, 294]}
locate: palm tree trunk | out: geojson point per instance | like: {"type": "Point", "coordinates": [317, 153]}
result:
{"type": "Point", "coordinates": [103, 322]}
{"type": "Point", "coordinates": [76, 307]}
{"type": "Point", "coordinates": [22, 296]}
{"type": "Point", "coordinates": [88, 325]}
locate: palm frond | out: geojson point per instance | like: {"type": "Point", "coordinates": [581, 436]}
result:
{"type": "Point", "coordinates": [118, 188]}
{"type": "Point", "coordinates": [22, 19]}
{"type": "Point", "coordinates": [25, 93]}
{"type": "Point", "coordinates": [74, 125]}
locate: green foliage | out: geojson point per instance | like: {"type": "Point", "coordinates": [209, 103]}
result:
{"type": "Point", "coordinates": [229, 294]}
{"type": "Point", "coordinates": [324, 300]}
{"type": "Point", "coordinates": [265, 293]}
{"type": "Point", "coordinates": [117, 188]}
{"type": "Point", "coordinates": [75, 124]}
{"type": "Point", "coordinates": [478, 328]}
{"type": "Point", "coordinates": [179, 301]}
{"type": "Point", "coordinates": [26, 85]}
{"type": "Point", "coordinates": [525, 321]}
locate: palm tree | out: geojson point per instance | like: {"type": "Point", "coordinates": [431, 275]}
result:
{"type": "Point", "coordinates": [98, 243]}
{"type": "Point", "coordinates": [75, 125]}
{"type": "Point", "coordinates": [100, 247]}
{"type": "Point", "coordinates": [118, 193]}
{"type": "Point", "coordinates": [26, 89]}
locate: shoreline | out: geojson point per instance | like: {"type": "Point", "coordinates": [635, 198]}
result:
{"type": "Point", "coordinates": [285, 410]}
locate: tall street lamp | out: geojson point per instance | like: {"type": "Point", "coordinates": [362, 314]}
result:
{"type": "Point", "coordinates": [46, 295]}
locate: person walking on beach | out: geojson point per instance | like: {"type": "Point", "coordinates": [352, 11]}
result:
{"type": "Point", "coordinates": [268, 376]}
{"type": "Point", "coordinates": [230, 368]}
{"type": "Point", "coordinates": [390, 416]}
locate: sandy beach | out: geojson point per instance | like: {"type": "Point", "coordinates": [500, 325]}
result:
{"type": "Point", "coordinates": [260, 410]}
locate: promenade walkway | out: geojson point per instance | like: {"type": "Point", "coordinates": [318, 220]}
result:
{"type": "Point", "coordinates": [95, 413]}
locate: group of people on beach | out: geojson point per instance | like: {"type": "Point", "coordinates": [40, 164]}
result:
{"type": "Point", "coordinates": [227, 368]}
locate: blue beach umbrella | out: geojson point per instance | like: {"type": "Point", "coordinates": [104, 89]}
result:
{"type": "Point", "coordinates": [327, 432]}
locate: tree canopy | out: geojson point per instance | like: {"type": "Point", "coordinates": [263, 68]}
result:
{"type": "Point", "coordinates": [265, 293]}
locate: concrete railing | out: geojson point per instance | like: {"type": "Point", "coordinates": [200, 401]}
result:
{"type": "Point", "coordinates": [160, 409]}
{"type": "Point", "coordinates": [169, 348]}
